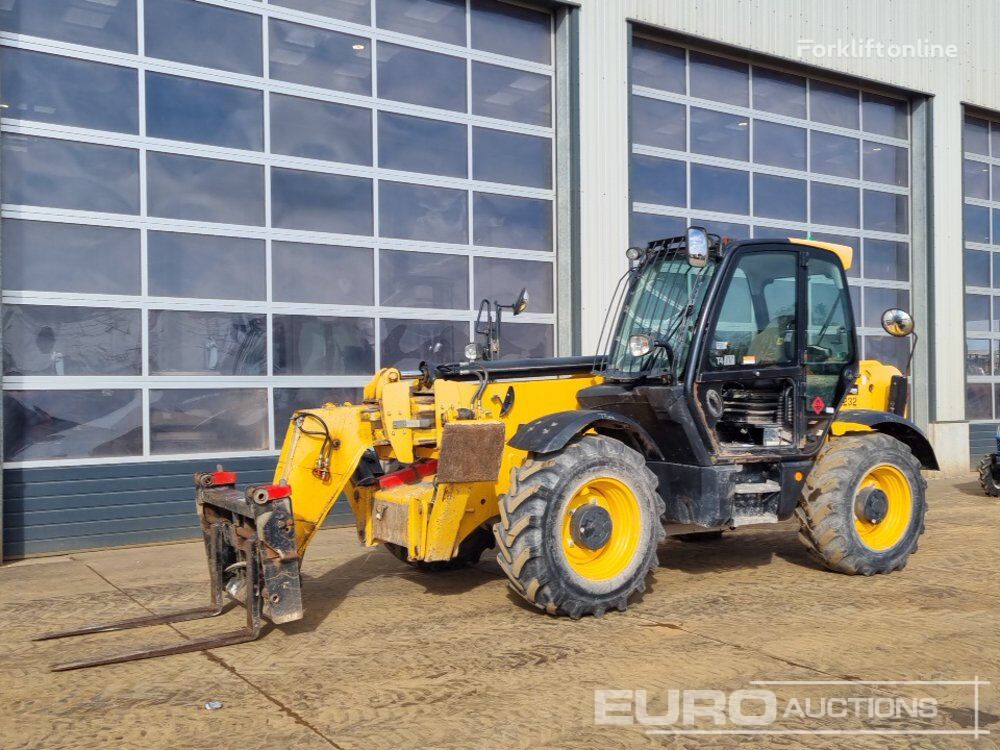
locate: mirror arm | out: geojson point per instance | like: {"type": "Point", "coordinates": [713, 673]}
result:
{"type": "Point", "coordinates": [487, 330]}
{"type": "Point", "coordinates": [499, 309]}
{"type": "Point", "coordinates": [913, 349]}
{"type": "Point", "coordinates": [490, 330]}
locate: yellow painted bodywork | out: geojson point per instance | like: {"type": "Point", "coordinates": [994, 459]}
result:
{"type": "Point", "coordinates": [401, 420]}
{"type": "Point", "coordinates": [870, 392]}
{"type": "Point", "coordinates": [844, 252]}
{"type": "Point", "coordinates": [874, 379]}
{"type": "Point", "coordinates": [313, 497]}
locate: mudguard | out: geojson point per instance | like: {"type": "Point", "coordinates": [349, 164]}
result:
{"type": "Point", "coordinates": [554, 431]}
{"type": "Point", "coordinates": [890, 424]}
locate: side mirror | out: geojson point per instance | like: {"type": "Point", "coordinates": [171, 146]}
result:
{"type": "Point", "coordinates": [521, 303]}
{"type": "Point", "coordinates": [897, 322]}
{"type": "Point", "coordinates": [697, 247]}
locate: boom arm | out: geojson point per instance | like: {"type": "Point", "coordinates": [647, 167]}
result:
{"type": "Point", "coordinates": [322, 449]}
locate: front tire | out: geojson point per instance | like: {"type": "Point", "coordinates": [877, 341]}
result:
{"type": "Point", "coordinates": [986, 479]}
{"type": "Point", "coordinates": [579, 528]}
{"type": "Point", "coordinates": [862, 507]}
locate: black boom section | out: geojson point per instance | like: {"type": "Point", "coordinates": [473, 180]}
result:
{"type": "Point", "coordinates": [898, 427]}
{"type": "Point", "coordinates": [519, 368]}
{"type": "Point", "coordinates": [553, 432]}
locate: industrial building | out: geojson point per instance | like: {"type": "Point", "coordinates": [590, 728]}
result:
{"type": "Point", "coordinates": [217, 211]}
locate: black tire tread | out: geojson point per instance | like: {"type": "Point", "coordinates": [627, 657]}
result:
{"type": "Point", "coordinates": [519, 534]}
{"type": "Point", "coordinates": [990, 486]}
{"type": "Point", "coordinates": [821, 529]}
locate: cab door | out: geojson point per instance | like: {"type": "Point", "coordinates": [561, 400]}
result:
{"type": "Point", "coordinates": [830, 343]}
{"type": "Point", "coordinates": [751, 378]}
{"type": "Point", "coordinates": [779, 352]}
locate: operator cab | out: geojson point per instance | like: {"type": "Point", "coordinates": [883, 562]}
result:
{"type": "Point", "coordinates": [748, 346]}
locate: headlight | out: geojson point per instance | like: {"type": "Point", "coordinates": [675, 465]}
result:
{"type": "Point", "coordinates": [639, 346]}
{"type": "Point", "coordinates": [472, 351]}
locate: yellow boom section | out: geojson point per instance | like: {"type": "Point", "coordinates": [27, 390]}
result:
{"type": "Point", "coordinates": [405, 422]}
{"type": "Point", "coordinates": [313, 493]}
{"type": "Point", "coordinates": [465, 506]}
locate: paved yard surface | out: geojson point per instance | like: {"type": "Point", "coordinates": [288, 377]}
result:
{"type": "Point", "coordinates": [391, 658]}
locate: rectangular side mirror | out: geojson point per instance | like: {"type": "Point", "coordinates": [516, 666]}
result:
{"type": "Point", "coordinates": [697, 247]}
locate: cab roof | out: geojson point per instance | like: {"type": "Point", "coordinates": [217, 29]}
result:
{"type": "Point", "coordinates": [844, 252]}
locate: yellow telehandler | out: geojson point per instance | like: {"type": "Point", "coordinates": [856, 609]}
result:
{"type": "Point", "coordinates": [728, 391]}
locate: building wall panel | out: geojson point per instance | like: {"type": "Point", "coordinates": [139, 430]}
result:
{"type": "Point", "coordinates": [62, 509]}
{"type": "Point", "coordinates": [773, 28]}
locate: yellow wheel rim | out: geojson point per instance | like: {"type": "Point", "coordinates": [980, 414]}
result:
{"type": "Point", "coordinates": [617, 553]}
{"type": "Point", "coordinates": [888, 532]}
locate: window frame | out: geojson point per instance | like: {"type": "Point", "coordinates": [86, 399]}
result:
{"type": "Point", "coordinates": [707, 371]}
{"type": "Point", "coordinates": [990, 244]}
{"type": "Point", "coordinates": [268, 160]}
{"type": "Point", "coordinates": [646, 216]}
{"type": "Point", "coordinates": [702, 371]}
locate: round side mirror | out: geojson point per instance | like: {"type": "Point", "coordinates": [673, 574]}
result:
{"type": "Point", "coordinates": [897, 322]}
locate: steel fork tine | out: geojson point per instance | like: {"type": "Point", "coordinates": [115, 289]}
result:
{"type": "Point", "coordinates": [215, 609]}
{"type": "Point", "coordinates": [138, 622]}
{"type": "Point", "coordinates": [224, 639]}
{"type": "Point", "coordinates": [248, 633]}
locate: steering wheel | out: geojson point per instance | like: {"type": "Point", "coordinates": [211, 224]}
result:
{"type": "Point", "coordinates": [816, 353]}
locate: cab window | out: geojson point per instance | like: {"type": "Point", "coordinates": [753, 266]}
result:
{"type": "Point", "coordinates": [829, 337]}
{"type": "Point", "coordinates": [756, 323]}
{"type": "Point", "coordinates": [828, 333]}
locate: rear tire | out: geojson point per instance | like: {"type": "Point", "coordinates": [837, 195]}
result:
{"type": "Point", "coordinates": [545, 551]}
{"type": "Point", "coordinates": [986, 480]}
{"type": "Point", "coordinates": [832, 510]}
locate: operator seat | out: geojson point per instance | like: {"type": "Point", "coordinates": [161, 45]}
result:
{"type": "Point", "coordinates": [776, 343]}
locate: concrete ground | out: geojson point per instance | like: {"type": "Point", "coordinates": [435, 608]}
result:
{"type": "Point", "coordinates": [388, 657]}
